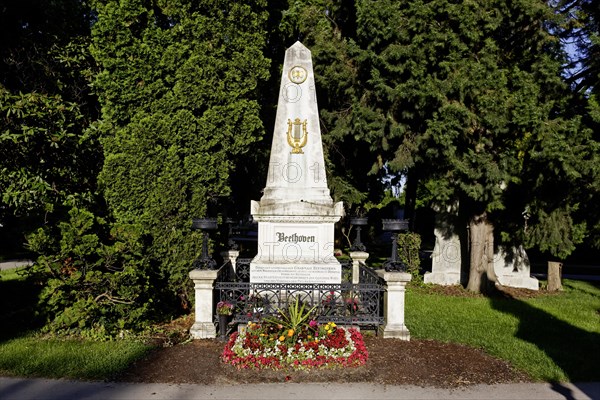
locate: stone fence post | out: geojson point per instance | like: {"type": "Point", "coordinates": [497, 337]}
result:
{"type": "Point", "coordinates": [393, 304]}
{"type": "Point", "coordinates": [204, 327]}
{"type": "Point", "coordinates": [357, 258]}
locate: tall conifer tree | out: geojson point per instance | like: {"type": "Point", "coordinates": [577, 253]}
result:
{"type": "Point", "coordinates": [467, 99]}
{"type": "Point", "coordinates": [580, 34]}
{"type": "Point", "coordinates": [178, 91]}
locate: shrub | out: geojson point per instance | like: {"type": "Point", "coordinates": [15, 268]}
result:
{"type": "Point", "coordinates": [94, 277]}
{"type": "Point", "coordinates": [409, 244]}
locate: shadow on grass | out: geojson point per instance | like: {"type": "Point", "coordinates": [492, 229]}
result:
{"type": "Point", "coordinates": [572, 349]}
{"type": "Point", "coordinates": [18, 298]}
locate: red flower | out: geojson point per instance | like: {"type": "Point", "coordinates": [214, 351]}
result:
{"type": "Point", "coordinates": [336, 339]}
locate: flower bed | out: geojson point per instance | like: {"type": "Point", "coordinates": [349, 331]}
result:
{"type": "Point", "coordinates": [268, 345]}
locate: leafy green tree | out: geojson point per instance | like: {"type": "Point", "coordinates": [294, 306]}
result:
{"type": "Point", "coordinates": [580, 34]}
{"type": "Point", "coordinates": [467, 100]}
{"type": "Point", "coordinates": [178, 91]}
{"type": "Point", "coordinates": [92, 275]}
{"type": "Point", "coordinates": [47, 161]}
{"type": "Point", "coordinates": [480, 91]}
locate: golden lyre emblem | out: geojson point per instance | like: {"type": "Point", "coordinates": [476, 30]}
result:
{"type": "Point", "coordinates": [297, 135]}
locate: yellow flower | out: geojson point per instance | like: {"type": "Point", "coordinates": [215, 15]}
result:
{"type": "Point", "coordinates": [316, 340]}
{"type": "Point", "coordinates": [329, 331]}
{"type": "Point", "coordinates": [333, 325]}
{"type": "Point", "coordinates": [290, 332]}
{"type": "Point", "coordinates": [281, 338]}
{"type": "Point", "coordinates": [309, 336]}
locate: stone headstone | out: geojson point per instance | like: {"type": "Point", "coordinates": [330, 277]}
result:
{"type": "Point", "coordinates": [296, 214]}
{"type": "Point", "coordinates": [446, 255]}
{"type": "Point", "coordinates": [513, 269]}
{"type": "Point", "coordinates": [511, 265]}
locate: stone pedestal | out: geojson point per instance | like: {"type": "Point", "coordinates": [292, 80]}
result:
{"type": "Point", "coordinates": [513, 269]}
{"type": "Point", "coordinates": [204, 327]}
{"type": "Point", "coordinates": [393, 303]}
{"type": "Point", "coordinates": [295, 249]}
{"type": "Point", "coordinates": [357, 258]}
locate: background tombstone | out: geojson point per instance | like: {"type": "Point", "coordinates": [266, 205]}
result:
{"type": "Point", "coordinates": [513, 269]}
{"type": "Point", "coordinates": [446, 256]}
{"type": "Point", "coordinates": [511, 265]}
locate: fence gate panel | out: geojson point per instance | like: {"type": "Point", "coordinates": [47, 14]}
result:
{"type": "Point", "coordinates": [345, 304]}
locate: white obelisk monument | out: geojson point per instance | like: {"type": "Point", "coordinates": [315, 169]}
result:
{"type": "Point", "coordinates": [296, 214]}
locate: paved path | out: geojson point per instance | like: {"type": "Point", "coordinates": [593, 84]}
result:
{"type": "Point", "coordinates": [14, 264]}
{"type": "Point", "coordinates": [49, 389]}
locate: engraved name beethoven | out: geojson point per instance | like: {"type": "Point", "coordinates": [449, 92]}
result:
{"type": "Point", "coordinates": [293, 238]}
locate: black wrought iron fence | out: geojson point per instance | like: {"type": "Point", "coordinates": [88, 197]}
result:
{"type": "Point", "coordinates": [367, 275]}
{"type": "Point", "coordinates": [226, 273]}
{"type": "Point", "coordinates": [242, 269]}
{"type": "Point", "coordinates": [345, 304]}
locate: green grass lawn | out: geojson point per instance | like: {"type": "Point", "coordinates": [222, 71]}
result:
{"type": "Point", "coordinates": [553, 337]}
{"type": "Point", "coordinates": [79, 359]}
{"type": "Point", "coordinates": [23, 352]}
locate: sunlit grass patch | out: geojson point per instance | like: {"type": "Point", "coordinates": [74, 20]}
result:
{"type": "Point", "coordinates": [551, 337]}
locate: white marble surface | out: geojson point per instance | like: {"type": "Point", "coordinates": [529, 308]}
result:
{"type": "Point", "coordinates": [296, 214]}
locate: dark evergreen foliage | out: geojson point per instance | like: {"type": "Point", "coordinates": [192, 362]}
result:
{"type": "Point", "coordinates": [47, 161]}
{"type": "Point", "coordinates": [120, 121]}
{"type": "Point", "coordinates": [178, 90]}
{"type": "Point", "coordinates": [466, 99]}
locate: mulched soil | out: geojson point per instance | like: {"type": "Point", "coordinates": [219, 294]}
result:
{"type": "Point", "coordinates": [391, 362]}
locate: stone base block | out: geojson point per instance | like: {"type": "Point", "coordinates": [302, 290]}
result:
{"type": "Point", "coordinates": [442, 278]}
{"type": "Point", "coordinates": [295, 273]}
{"type": "Point", "coordinates": [523, 282]}
{"type": "Point", "coordinates": [394, 332]}
{"type": "Point", "coordinates": [203, 330]}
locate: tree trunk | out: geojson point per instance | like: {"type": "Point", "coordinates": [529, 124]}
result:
{"type": "Point", "coordinates": [481, 238]}
{"type": "Point", "coordinates": [554, 276]}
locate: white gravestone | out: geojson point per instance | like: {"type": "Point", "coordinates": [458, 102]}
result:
{"type": "Point", "coordinates": [296, 214]}
{"type": "Point", "coordinates": [513, 268]}
{"type": "Point", "coordinates": [445, 259]}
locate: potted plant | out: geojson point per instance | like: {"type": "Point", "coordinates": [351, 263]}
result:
{"type": "Point", "coordinates": [224, 311]}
